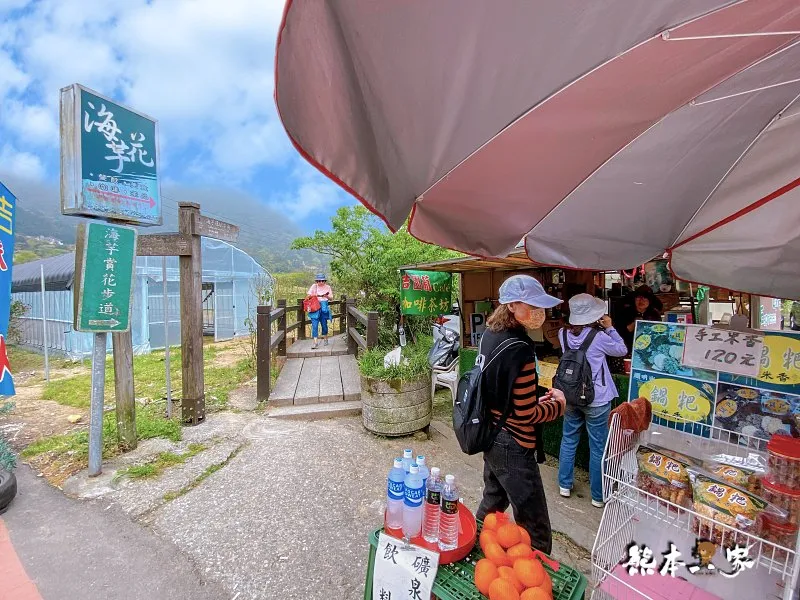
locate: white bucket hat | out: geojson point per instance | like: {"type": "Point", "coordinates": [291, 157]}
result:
{"type": "Point", "coordinates": [585, 309]}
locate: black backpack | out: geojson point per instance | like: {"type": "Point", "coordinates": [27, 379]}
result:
{"type": "Point", "coordinates": [472, 419]}
{"type": "Point", "coordinates": [574, 373]}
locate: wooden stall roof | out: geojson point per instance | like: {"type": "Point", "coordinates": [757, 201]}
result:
{"type": "Point", "coordinates": [514, 261]}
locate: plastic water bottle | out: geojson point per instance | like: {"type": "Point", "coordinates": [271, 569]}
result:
{"type": "Point", "coordinates": [448, 522]}
{"type": "Point", "coordinates": [402, 333]}
{"type": "Point", "coordinates": [423, 469]}
{"type": "Point", "coordinates": [408, 459]}
{"type": "Point", "coordinates": [412, 507]}
{"type": "Point", "coordinates": [432, 508]}
{"type": "Point", "coordinates": [395, 495]}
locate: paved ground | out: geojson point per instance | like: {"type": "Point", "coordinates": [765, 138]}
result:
{"type": "Point", "coordinates": [83, 550]}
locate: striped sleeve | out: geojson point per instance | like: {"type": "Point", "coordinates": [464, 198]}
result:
{"type": "Point", "coordinates": [528, 409]}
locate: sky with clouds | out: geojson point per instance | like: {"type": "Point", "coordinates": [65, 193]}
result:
{"type": "Point", "coordinates": [203, 68]}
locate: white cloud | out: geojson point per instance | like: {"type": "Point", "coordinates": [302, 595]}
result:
{"type": "Point", "coordinates": [22, 165]}
{"type": "Point", "coordinates": [36, 124]}
{"type": "Point", "coordinates": [314, 193]}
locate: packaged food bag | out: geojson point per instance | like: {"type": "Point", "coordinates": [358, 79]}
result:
{"type": "Point", "coordinates": [663, 475]}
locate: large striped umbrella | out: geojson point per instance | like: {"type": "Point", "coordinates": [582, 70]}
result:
{"type": "Point", "coordinates": [604, 133]}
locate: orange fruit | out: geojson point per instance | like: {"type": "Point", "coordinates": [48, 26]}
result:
{"type": "Point", "coordinates": [508, 535]}
{"type": "Point", "coordinates": [529, 571]}
{"type": "Point", "coordinates": [525, 537]}
{"type": "Point", "coordinates": [485, 574]}
{"type": "Point", "coordinates": [521, 550]}
{"type": "Point", "coordinates": [487, 536]}
{"type": "Point", "coordinates": [494, 520]}
{"type": "Point", "coordinates": [536, 593]}
{"type": "Point", "coordinates": [547, 585]}
{"type": "Point", "coordinates": [503, 589]}
{"type": "Point", "coordinates": [508, 573]}
{"type": "Point", "coordinates": [495, 553]}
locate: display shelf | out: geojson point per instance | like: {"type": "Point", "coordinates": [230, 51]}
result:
{"type": "Point", "coordinates": [628, 506]}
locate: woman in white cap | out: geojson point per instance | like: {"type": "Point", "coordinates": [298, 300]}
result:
{"type": "Point", "coordinates": [589, 322]}
{"type": "Point", "coordinates": [509, 384]}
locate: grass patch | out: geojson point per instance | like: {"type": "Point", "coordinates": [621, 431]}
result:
{"type": "Point", "coordinates": [26, 360]}
{"type": "Point", "coordinates": [169, 496]}
{"type": "Point", "coordinates": [413, 366]}
{"type": "Point", "coordinates": [160, 463]}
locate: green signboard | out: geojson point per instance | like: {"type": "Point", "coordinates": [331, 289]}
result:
{"type": "Point", "coordinates": [425, 293]}
{"type": "Point", "coordinates": [109, 159]}
{"type": "Point", "coordinates": [104, 269]}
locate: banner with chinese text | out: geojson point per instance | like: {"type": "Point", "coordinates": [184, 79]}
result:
{"type": "Point", "coordinates": [756, 406]}
{"type": "Point", "coordinates": [8, 208]}
{"type": "Point", "coordinates": [109, 159]}
{"type": "Point", "coordinates": [426, 293]}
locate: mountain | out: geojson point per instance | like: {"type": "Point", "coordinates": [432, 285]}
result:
{"type": "Point", "coordinates": [264, 233]}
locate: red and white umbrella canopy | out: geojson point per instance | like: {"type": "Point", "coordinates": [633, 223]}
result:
{"type": "Point", "coordinates": [604, 133]}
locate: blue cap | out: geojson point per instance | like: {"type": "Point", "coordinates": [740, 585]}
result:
{"type": "Point", "coordinates": [320, 277]}
{"type": "Point", "coordinates": [527, 289]}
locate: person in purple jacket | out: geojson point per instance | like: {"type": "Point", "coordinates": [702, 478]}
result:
{"type": "Point", "coordinates": [587, 313]}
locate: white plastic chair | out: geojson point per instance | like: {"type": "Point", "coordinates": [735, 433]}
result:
{"type": "Point", "coordinates": [446, 377]}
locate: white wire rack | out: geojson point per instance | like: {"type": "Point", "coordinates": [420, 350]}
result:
{"type": "Point", "coordinates": [628, 508]}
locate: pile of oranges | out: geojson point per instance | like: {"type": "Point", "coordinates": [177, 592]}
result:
{"type": "Point", "coordinates": [510, 571]}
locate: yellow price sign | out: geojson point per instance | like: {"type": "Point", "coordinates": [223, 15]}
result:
{"type": "Point", "coordinates": [671, 397]}
{"type": "Point", "coordinates": [780, 360]}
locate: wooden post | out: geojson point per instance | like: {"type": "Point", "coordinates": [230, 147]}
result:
{"type": "Point", "coordinates": [352, 347]}
{"type": "Point", "coordinates": [193, 407]}
{"type": "Point", "coordinates": [372, 329]}
{"type": "Point", "coordinates": [263, 339]}
{"type": "Point", "coordinates": [123, 386]}
{"type": "Point", "coordinates": [301, 319]}
{"type": "Point", "coordinates": [282, 327]}
{"type": "Point", "coordinates": [343, 315]}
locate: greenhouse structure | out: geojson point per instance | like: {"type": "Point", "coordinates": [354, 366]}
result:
{"type": "Point", "coordinates": [233, 285]}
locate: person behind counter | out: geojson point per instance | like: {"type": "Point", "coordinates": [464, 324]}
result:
{"type": "Point", "coordinates": [640, 305]}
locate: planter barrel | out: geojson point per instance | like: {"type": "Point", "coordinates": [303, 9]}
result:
{"type": "Point", "coordinates": [395, 407]}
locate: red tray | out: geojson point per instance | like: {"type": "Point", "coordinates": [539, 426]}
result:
{"type": "Point", "coordinates": [467, 533]}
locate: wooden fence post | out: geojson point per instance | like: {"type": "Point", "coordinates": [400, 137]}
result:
{"type": "Point", "coordinates": [372, 329]}
{"type": "Point", "coordinates": [352, 347]}
{"type": "Point", "coordinates": [282, 327]}
{"type": "Point", "coordinates": [263, 339]}
{"type": "Point", "coordinates": [301, 319]}
{"type": "Point", "coordinates": [123, 385]}
{"type": "Point", "coordinates": [343, 315]}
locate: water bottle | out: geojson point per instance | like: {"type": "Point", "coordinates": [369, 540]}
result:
{"type": "Point", "coordinates": [408, 458]}
{"type": "Point", "coordinates": [412, 507]}
{"type": "Point", "coordinates": [395, 495]}
{"type": "Point", "coordinates": [423, 469]}
{"type": "Point", "coordinates": [402, 332]}
{"type": "Point", "coordinates": [432, 509]}
{"type": "Point", "coordinates": [448, 522]}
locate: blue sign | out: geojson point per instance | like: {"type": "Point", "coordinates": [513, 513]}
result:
{"type": "Point", "coordinates": [8, 207]}
{"type": "Point", "coordinates": [109, 159]}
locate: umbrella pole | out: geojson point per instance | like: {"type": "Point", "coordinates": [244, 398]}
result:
{"type": "Point", "coordinates": [691, 303]}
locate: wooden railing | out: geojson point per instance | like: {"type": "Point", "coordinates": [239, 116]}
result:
{"type": "Point", "coordinates": [273, 329]}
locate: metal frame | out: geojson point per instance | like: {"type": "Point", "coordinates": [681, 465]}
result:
{"type": "Point", "coordinates": [626, 504]}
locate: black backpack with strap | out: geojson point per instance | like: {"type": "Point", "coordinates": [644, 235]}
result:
{"type": "Point", "coordinates": [472, 418]}
{"type": "Point", "coordinates": [574, 373]}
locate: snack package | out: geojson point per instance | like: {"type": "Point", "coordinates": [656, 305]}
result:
{"type": "Point", "coordinates": [744, 478]}
{"type": "Point", "coordinates": [663, 475]}
{"type": "Point", "coordinates": [723, 502]}
{"type": "Point", "coordinates": [784, 460]}
{"type": "Point", "coordinates": [783, 497]}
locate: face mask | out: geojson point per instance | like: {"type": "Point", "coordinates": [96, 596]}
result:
{"type": "Point", "coordinates": [534, 320]}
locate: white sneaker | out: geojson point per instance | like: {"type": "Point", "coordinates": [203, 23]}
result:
{"type": "Point", "coordinates": [565, 492]}
{"type": "Point", "coordinates": [598, 503]}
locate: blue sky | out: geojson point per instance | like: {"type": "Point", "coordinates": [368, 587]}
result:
{"type": "Point", "coordinates": [203, 68]}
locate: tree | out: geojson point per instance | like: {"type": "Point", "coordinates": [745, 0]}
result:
{"type": "Point", "coordinates": [365, 259]}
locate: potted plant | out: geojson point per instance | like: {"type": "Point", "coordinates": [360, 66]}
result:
{"type": "Point", "coordinates": [396, 399]}
{"type": "Point", "coordinates": [8, 482]}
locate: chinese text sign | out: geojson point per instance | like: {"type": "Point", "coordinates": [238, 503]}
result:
{"type": "Point", "coordinates": [723, 350]}
{"type": "Point", "coordinates": [109, 160]}
{"type": "Point", "coordinates": [425, 293]}
{"type": "Point", "coordinates": [104, 269]}
{"type": "Point", "coordinates": [401, 571]}
{"type": "Point", "coordinates": [8, 205]}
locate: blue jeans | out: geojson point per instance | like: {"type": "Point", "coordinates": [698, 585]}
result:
{"type": "Point", "coordinates": [320, 317]}
{"type": "Point", "coordinates": [596, 420]}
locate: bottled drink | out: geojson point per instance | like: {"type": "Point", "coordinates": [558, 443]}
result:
{"type": "Point", "coordinates": [402, 332]}
{"type": "Point", "coordinates": [448, 522]}
{"type": "Point", "coordinates": [423, 469]}
{"type": "Point", "coordinates": [408, 458]}
{"type": "Point", "coordinates": [395, 495]}
{"type": "Point", "coordinates": [432, 508]}
{"type": "Point", "coordinates": [412, 507]}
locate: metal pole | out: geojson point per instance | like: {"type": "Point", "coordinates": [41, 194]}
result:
{"type": "Point", "coordinates": [166, 335]}
{"type": "Point", "coordinates": [96, 414]}
{"type": "Point", "coordinates": [44, 330]}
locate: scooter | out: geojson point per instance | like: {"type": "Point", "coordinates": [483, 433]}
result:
{"type": "Point", "coordinates": [445, 347]}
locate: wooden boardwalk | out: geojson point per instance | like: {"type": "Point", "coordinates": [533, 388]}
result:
{"type": "Point", "coordinates": [317, 383]}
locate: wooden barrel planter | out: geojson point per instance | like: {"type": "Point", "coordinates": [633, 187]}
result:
{"type": "Point", "coordinates": [396, 407]}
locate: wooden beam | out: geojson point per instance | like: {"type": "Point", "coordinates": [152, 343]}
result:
{"type": "Point", "coordinates": [214, 228]}
{"type": "Point", "coordinates": [123, 385]}
{"type": "Point", "coordinates": [163, 244]}
{"type": "Point", "coordinates": [263, 350]}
